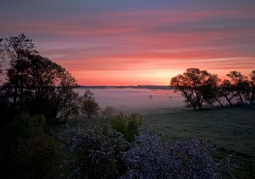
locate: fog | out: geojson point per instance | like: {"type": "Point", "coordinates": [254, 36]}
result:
{"type": "Point", "coordinates": [130, 99]}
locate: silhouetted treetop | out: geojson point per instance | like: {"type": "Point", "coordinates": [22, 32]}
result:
{"type": "Point", "coordinates": [197, 86]}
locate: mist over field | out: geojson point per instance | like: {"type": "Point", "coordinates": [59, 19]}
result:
{"type": "Point", "coordinates": [130, 99]}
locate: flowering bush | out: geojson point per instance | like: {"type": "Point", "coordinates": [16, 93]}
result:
{"type": "Point", "coordinates": [94, 155]}
{"type": "Point", "coordinates": [149, 158]}
{"type": "Point", "coordinates": [106, 154]}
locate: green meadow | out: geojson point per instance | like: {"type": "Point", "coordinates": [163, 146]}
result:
{"type": "Point", "coordinates": [229, 128]}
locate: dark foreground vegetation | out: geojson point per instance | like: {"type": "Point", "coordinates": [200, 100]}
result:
{"type": "Point", "coordinates": [38, 95]}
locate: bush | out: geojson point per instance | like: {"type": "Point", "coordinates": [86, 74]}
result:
{"type": "Point", "coordinates": [37, 157]}
{"type": "Point", "coordinates": [93, 155]}
{"type": "Point", "coordinates": [28, 152]}
{"type": "Point", "coordinates": [128, 126]}
{"type": "Point", "coordinates": [26, 126]}
{"type": "Point", "coordinates": [149, 158]}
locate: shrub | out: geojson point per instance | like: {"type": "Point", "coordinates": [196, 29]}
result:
{"type": "Point", "coordinates": [93, 155]}
{"type": "Point", "coordinates": [28, 151]}
{"type": "Point", "coordinates": [26, 126]}
{"type": "Point", "coordinates": [128, 126]}
{"type": "Point", "coordinates": [149, 158]}
{"type": "Point", "coordinates": [37, 157]}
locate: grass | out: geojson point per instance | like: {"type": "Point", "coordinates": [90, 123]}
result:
{"type": "Point", "coordinates": [230, 128]}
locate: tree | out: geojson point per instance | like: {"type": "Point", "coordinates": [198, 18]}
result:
{"type": "Point", "coordinates": [51, 88]}
{"type": "Point", "coordinates": [250, 95]}
{"type": "Point", "coordinates": [89, 105]}
{"type": "Point", "coordinates": [240, 84]}
{"type": "Point", "coordinates": [2, 54]}
{"type": "Point", "coordinates": [37, 85]}
{"type": "Point", "coordinates": [18, 50]}
{"type": "Point", "coordinates": [227, 91]}
{"type": "Point", "coordinates": [197, 86]}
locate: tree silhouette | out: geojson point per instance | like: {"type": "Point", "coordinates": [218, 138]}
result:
{"type": "Point", "coordinates": [227, 91]}
{"type": "Point", "coordinates": [197, 86]}
{"type": "Point", "coordinates": [35, 84]}
{"type": "Point", "coordinates": [50, 89]}
{"type": "Point", "coordinates": [89, 105]}
{"type": "Point", "coordinates": [18, 48]}
{"type": "Point", "coordinates": [1, 58]}
{"type": "Point", "coordinates": [240, 84]}
{"type": "Point", "coordinates": [250, 95]}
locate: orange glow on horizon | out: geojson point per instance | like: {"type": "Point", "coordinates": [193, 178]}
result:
{"type": "Point", "coordinates": [124, 43]}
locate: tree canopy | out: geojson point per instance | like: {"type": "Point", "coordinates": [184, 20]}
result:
{"type": "Point", "coordinates": [35, 84]}
{"type": "Point", "coordinates": [197, 86]}
{"type": "Point", "coordinates": [89, 105]}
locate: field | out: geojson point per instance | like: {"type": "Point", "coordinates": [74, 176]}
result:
{"type": "Point", "coordinates": [230, 128]}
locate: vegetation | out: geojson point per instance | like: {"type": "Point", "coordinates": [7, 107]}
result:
{"type": "Point", "coordinates": [35, 84]}
{"type": "Point", "coordinates": [94, 155]}
{"type": "Point", "coordinates": [27, 151]}
{"type": "Point", "coordinates": [149, 157]}
{"type": "Point", "coordinates": [38, 93]}
{"type": "Point", "coordinates": [89, 106]}
{"type": "Point", "coordinates": [197, 86]}
{"type": "Point", "coordinates": [200, 88]}
{"type": "Point", "coordinates": [126, 125]}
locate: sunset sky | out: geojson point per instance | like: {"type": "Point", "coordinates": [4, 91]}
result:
{"type": "Point", "coordinates": [136, 42]}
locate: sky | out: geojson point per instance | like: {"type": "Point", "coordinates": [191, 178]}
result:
{"type": "Point", "coordinates": [136, 42]}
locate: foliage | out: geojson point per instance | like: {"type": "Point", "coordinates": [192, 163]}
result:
{"type": "Point", "coordinates": [1, 57]}
{"type": "Point", "coordinates": [197, 86]}
{"type": "Point", "coordinates": [148, 157]}
{"type": "Point", "coordinates": [26, 127]}
{"type": "Point", "coordinates": [89, 106]}
{"type": "Point", "coordinates": [35, 84]}
{"type": "Point", "coordinates": [18, 49]}
{"type": "Point", "coordinates": [107, 113]}
{"type": "Point", "coordinates": [250, 94]}
{"type": "Point", "coordinates": [240, 84]}
{"type": "Point", "coordinates": [37, 157]}
{"type": "Point", "coordinates": [227, 91]}
{"type": "Point", "coordinates": [127, 125]}
{"type": "Point", "coordinates": [27, 151]}
{"type": "Point", "coordinates": [94, 155]}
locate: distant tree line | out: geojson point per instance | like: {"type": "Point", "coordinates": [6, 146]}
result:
{"type": "Point", "coordinates": [200, 88]}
